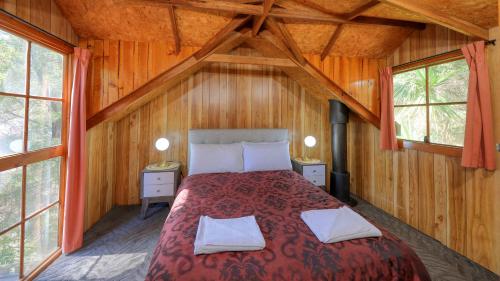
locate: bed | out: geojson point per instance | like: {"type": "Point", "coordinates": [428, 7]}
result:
{"type": "Point", "coordinates": [276, 198]}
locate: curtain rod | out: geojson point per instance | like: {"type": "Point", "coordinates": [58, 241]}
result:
{"type": "Point", "coordinates": [36, 27]}
{"type": "Point", "coordinates": [486, 42]}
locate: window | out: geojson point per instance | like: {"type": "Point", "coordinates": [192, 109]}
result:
{"type": "Point", "coordinates": [430, 102]}
{"type": "Point", "coordinates": [32, 107]}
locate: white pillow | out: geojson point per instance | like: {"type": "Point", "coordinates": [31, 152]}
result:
{"type": "Point", "coordinates": [269, 156]}
{"type": "Point", "coordinates": [215, 158]}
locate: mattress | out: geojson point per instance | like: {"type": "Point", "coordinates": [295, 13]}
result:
{"type": "Point", "coordinates": [292, 251]}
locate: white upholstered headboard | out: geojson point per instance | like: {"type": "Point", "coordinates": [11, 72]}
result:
{"type": "Point", "coordinates": [221, 136]}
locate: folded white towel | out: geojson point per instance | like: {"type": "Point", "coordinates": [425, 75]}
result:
{"type": "Point", "coordinates": [335, 225]}
{"type": "Point", "coordinates": [222, 235]}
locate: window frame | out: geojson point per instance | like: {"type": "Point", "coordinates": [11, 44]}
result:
{"type": "Point", "coordinates": [17, 27]}
{"type": "Point", "coordinates": [449, 150]}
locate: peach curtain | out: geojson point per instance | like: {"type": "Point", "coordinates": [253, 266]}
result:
{"type": "Point", "coordinates": [388, 139]}
{"type": "Point", "coordinates": [479, 147]}
{"type": "Point", "coordinates": [76, 163]}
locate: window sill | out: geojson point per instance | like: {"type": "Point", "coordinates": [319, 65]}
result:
{"type": "Point", "coordinates": [431, 148]}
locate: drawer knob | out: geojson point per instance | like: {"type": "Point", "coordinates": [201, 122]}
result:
{"type": "Point", "coordinates": [158, 178]}
{"type": "Point", "coordinates": [158, 191]}
{"type": "Point", "coordinates": [314, 171]}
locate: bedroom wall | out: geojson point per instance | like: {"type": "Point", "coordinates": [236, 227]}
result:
{"type": "Point", "coordinates": [118, 67]}
{"type": "Point", "coordinates": [432, 192]}
{"type": "Point", "coordinates": [115, 70]}
{"type": "Point", "coordinates": [44, 14]}
{"type": "Point", "coordinates": [218, 96]}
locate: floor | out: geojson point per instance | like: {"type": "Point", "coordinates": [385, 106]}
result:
{"type": "Point", "coordinates": [119, 247]}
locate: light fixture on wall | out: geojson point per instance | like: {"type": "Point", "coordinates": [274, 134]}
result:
{"type": "Point", "coordinates": [309, 142]}
{"type": "Point", "coordinates": [162, 144]}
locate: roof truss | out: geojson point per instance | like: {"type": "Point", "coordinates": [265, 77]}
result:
{"type": "Point", "coordinates": [454, 23]}
{"type": "Point", "coordinates": [277, 53]}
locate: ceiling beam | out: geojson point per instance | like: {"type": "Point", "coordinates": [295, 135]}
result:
{"type": "Point", "coordinates": [237, 59]}
{"type": "Point", "coordinates": [451, 22]}
{"type": "Point", "coordinates": [329, 46]}
{"type": "Point", "coordinates": [313, 79]}
{"type": "Point", "coordinates": [165, 80]}
{"type": "Point", "coordinates": [175, 29]}
{"type": "Point", "coordinates": [280, 30]}
{"type": "Point", "coordinates": [222, 35]}
{"type": "Point", "coordinates": [362, 9]}
{"type": "Point", "coordinates": [388, 22]}
{"type": "Point", "coordinates": [317, 7]}
{"type": "Point", "coordinates": [318, 16]}
{"type": "Point", "coordinates": [258, 21]}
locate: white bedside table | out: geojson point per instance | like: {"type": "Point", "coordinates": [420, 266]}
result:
{"type": "Point", "coordinates": [314, 172]}
{"type": "Point", "coordinates": [158, 186]}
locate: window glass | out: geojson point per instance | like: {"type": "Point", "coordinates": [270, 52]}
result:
{"type": "Point", "coordinates": [411, 122]}
{"type": "Point", "coordinates": [46, 73]}
{"type": "Point", "coordinates": [448, 82]}
{"type": "Point", "coordinates": [10, 197]}
{"type": "Point", "coordinates": [42, 184]}
{"type": "Point", "coordinates": [430, 103]}
{"type": "Point", "coordinates": [13, 53]}
{"type": "Point", "coordinates": [448, 124]}
{"type": "Point", "coordinates": [11, 125]}
{"type": "Point", "coordinates": [9, 257]}
{"type": "Point", "coordinates": [409, 87]}
{"type": "Point", "coordinates": [40, 238]}
{"type": "Point", "coordinates": [44, 125]}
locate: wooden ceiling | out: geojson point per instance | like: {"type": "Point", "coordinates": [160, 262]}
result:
{"type": "Point", "coordinates": [311, 23]}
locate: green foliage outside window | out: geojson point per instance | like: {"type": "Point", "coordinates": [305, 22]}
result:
{"type": "Point", "coordinates": [44, 130]}
{"type": "Point", "coordinates": [434, 95]}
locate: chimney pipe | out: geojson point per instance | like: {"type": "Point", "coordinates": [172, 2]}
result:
{"type": "Point", "coordinates": [339, 177]}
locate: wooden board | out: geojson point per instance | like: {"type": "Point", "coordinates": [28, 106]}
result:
{"type": "Point", "coordinates": [44, 14]}
{"type": "Point", "coordinates": [212, 98]}
{"type": "Point", "coordinates": [105, 20]}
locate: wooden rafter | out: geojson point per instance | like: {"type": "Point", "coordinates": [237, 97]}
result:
{"type": "Point", "coordinates": [329, 46]}
{"type": "Point", "coordinates": [237, 59]}
{"type": "Point", "coordinates": [245, 8]}
{"type": "Point", "coordinates": [259, 20]}
{"type": "Point", "coordinates": [362, 9]}
{"type": "Point", "coordinates": [222, 35]}
{"type": "Point", "coordinates": [451, 22]}
{"type": "Point", "coordinates": [388, 22]}
{"type": "Point", "coordinates": [312, 78]}
{"type": "Point", "coordinates": [175, 29]}
{"type": "Point", "coordinates": [280, 30]}
{"type": "Point", "coordinates": [317, 7]}
{"type": "Point", "coordinates": [166, 79]}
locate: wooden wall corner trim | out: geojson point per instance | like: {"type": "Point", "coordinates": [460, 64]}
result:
{"type": "Point", "coordinates": [21, 28]}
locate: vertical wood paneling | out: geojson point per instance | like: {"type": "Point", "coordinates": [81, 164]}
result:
{"type": "Point", "coordinates": [44, 14]}
{"type": "Point", "coordinates": [432, 192]}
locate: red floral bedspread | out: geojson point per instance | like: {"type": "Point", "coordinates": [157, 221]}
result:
{"type": "Point", "coordinates": [292, 251]}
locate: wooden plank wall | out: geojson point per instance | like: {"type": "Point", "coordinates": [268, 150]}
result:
{"type": "Point", "coordinates": [44, 14]}
{"type": "Point", "coordinates": [218, 96]}
{"type": "Point", "coordinates": [432, 192]}
{"type": "Point", "coordinates": [116, 69]}
{"type": "Point", "coordinates": [357, 76]}
{"type": "Point", "coordinates": [119, 67]}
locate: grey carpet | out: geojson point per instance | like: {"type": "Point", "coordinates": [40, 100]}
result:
{"type": "Point", "coordinates": [119, 247]}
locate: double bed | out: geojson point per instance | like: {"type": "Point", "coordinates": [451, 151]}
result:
{"type": "Point", "coordinates": [276, 199]}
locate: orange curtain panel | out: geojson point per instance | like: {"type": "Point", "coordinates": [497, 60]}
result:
{"type": "Point", "coordinates": [76, 164]}
{"type": "Point", "coordinates": [479, 147]}
{"type": "Point", "coordinates": [388, 139]}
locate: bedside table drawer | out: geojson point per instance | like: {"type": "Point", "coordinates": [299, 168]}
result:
{"type": "Point", "coordinates": [316, 180]}
{"type": "Point", "coordinates": [314, 170]}
{"type": "Point", "coordinates": [156, 190]}
{"type": "Point", "coordinates": [158, 178]}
